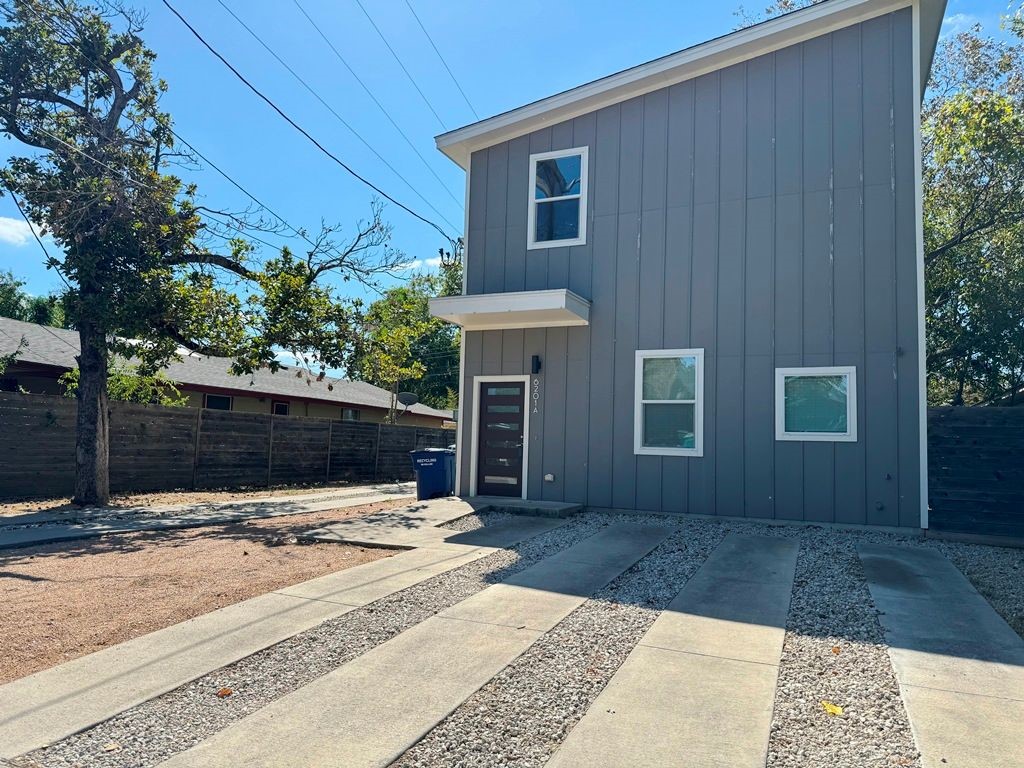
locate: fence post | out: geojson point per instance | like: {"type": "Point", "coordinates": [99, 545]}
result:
{"type": "Point", "coordinates": [330, 436]}
{"type": "Point", "coordinates": [195, 455]}
{"type": "Point", "coordinates": [270, 450]}
{"type": "Point", "coordinates": [376, 455]}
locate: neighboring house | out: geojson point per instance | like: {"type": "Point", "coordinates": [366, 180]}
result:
{"type": "Point", "coordinates": [697, 285]}
{"type": "Point", "coordinates": [50, 352]}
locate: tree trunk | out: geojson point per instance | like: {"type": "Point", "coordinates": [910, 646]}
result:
{"type": "Point", "coordinates": [92, 459]}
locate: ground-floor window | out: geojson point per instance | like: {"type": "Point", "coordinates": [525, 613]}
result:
{"type": "Point", "coordinates": [217, 402]}
{"type": "Point", "coordinates": [816, 404]}
{"type": "Point", "coordinates": [279, 408]}
{"type": "Point", "coordinates": [669, 413]}
{"type": "Point", "coordinates": [350, 414]}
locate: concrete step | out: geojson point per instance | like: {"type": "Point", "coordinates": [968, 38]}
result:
{"type": "Point", "coordinates": [525, 506]}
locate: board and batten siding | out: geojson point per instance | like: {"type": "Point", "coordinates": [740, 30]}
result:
{"type": "Point", "coordinates": [763, 212]}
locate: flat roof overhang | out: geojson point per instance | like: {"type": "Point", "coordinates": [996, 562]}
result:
{"type": "Point", "coordinates": [522, 309]}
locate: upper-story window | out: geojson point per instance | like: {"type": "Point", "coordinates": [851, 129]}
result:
{"type": "Point", "coordinates": [558, 198]}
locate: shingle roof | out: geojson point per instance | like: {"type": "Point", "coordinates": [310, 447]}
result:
{"type": "Point", "coordinates": [58, 347]}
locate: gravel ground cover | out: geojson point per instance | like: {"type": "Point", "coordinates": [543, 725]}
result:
{"type": "Point", "coordinates": [64, 600]}
{"type": "Point", "coordinates": [152, 732]}
{"type": "Point", "coordinates": [835, 652]}
{"type": "Point", "coordinates": [522, 715]}
{"type": "Point", "coordinates": [476, 520]}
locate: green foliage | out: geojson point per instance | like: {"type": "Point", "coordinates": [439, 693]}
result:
{"type": "Point", "coordinates": [403, 348]}
{"type": "Point", "coordinates": [7, 360]}
{"type": "Point", "coordinates": [19, 305]}
{"type": "Point", "coordinates": [973, 140]}
{"type": "Point", "coordinates": [130, 385]}
{"type": "Point", "coordinates": [151, 270]}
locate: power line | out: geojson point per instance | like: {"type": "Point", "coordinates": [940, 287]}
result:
{"type": "Point", "coordinates": [302, 130]}
{"type": "Point", "coordinates": [345, 123]}
{"type": "Point", "coordinates": [365, 87]}
{"type": "Point", "coordinates": [445, 63]}
{"type": "Point", "coordinates": [384, 40]}
{"type": "Point", "coordinates": [192, 147]}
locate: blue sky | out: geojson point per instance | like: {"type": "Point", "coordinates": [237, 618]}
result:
{"type": "Point", "coordinates": [504, 54]}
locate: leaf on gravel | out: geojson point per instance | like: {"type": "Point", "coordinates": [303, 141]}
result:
{"type": "Point", "coordinates": [112, 746]}
{"type": "Point", "coordinates": [832, 709]}
{"type": "Point", "coordinates": [223, 693]}
{"type": "Point", "coordinates": [836, 649]}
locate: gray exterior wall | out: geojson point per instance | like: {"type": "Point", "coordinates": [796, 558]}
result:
{"type": "Point", "coordinates": [764, 212]}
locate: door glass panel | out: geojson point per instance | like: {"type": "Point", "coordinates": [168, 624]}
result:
{"type": "Point", "coordinates": [558, 176]}
{"type": "Point", "coordinates": [500, 480]}
{"type": "Point", "coordinates": [558, 220]}
{"type": "Point", "coordinates": [503, 391]}
{"type": "Point", "coordinates": [502, 444]}
{"type": "Point", "coordinates": [670, 378]}
{"type": "Point", "coordinates": [498, 461]}
{"type": "Point", "coordinates": [502, 425]}
{"type": "Point", "coordinates": [503, 409]}
{"type": "Point", "coordinates": [669, 426]}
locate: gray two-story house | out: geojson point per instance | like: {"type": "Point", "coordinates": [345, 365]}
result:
{"type": "Point", "coordinates": [696, 285]}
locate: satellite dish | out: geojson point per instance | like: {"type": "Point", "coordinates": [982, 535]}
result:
{"type": "Point", "coordinates": [408, 398]}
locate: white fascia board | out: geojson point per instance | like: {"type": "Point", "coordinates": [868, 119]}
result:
{"type": "Point", "coordinates": [520, 309]}
{"type": "Point", "coordinates": [768, 36]}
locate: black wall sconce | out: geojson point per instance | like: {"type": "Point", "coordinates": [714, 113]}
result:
{"type": "Point", "coordinates": [535, 365]}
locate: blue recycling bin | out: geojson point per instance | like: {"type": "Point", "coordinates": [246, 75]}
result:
{"type": "Point", "coordinates": [435, 472]}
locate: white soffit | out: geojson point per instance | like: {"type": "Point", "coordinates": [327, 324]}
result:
{"type": "Point", "coordinates": [524, 309]}
{"type": "Point", "coordinates": [768, 36]}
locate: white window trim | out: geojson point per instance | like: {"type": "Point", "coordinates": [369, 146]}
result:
{"type": "Point", "coordinates": [531, 233]}
{"type": "Point", "coordinates": [850, 436]}
{"type": "Point", "coordinates": [638, 404]}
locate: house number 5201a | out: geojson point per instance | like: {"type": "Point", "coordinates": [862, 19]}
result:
{"type": "Point", "coordinates": [536, 396]}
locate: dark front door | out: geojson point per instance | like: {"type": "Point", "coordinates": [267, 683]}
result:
{"type": "Point", "coordinates": [500, 444]}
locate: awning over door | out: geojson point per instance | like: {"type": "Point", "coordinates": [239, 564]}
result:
{"type": "Point", "coordinates": [523, 309]}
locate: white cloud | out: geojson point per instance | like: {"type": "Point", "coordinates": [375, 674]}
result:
{"type": "Point", "coordinates": [956, 23]}
{"type": "Point", "coordinates": [14, 231]}
{"type": "Point", "coordinates": [433, 263]}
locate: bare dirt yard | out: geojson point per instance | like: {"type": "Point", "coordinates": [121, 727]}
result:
{"type": "Point", "coordinates": [161, 498]}
{"type": "Point", "coordinates": [65, 600]}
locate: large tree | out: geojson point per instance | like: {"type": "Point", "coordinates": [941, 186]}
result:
{"type": "Point", "coordinates": [149, 269]}
{"type": "Point", "coordinates": [403, 348]}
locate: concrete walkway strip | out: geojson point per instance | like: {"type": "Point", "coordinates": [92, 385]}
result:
{"type": "Point", "coordinates": [52, 704]}
{"type": "Point", "coordinates": [369, 711]}
{"type": "Point", "coordinates": [959, 665]}
{"type": "Point", "coordinates": [699, 688]}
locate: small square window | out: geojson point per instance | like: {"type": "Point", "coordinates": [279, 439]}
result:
{"type": "Point", "coordinates": [669, 415]}
{"type": "Point", "coordinates": [558, 199]}
{"type": "Point", "coordinates": [280, 408]}
{"type": "Point", "coordinates": [218, 402]}
{"type": "Point", "coordinates": [350, 414]}
{"type": "Point", "coordinates": [816, 404]}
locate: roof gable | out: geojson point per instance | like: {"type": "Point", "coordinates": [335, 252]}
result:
{"type": "Point", "coordinates": [744, 44]}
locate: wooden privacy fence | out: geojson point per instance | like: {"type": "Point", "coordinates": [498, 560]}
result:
{"type": "Point", "coordinates": [976, 470]}
{"type": "Point", "coordinates": [156, 448]}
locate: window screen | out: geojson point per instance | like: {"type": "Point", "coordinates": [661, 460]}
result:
{"type": "Point", "coordinates": [815, 404]}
